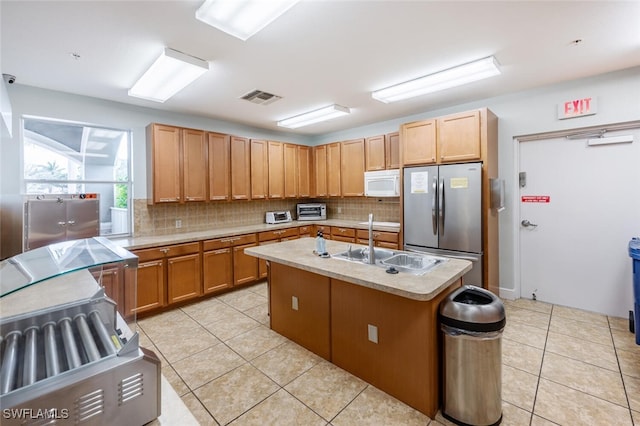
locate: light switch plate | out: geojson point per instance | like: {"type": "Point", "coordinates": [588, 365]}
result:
{"type": "Point", "coordinates": [373, 333]}
{"type": "Point", "coordinates": [294, 303]}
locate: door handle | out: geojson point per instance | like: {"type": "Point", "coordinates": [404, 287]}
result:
{"type": "Point", "coordinates": [434, 206]}
{"type": "Point", "coordinates": [441, 207]}
{"type": "Point", "coordinates": [528, 224]}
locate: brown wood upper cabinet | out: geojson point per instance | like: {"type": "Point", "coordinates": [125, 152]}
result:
{"type": "Point", "coordinates": [392, 150]}
{"type": "Point", "coordinates": [259, 170]}
{"type": "Point", "coordinates": [320, 170]}
{"type": "Point", "coordinates": [352, 168]}
{"type": "Point", "coordinates": [459, 137]}
{"type": "Point", "coordinates": [219, 166]}
{"type": "Point", "coordinates": [453, 138]}
{"type": "Point", "coordinates": [291, 170]}
{"type": "Point", "coordinates": [177, 164]}
{"type": "Point", "coordinates": [275, 167]}
{"type": "Point", "coordinates": [333, 169]}
{"type": "Point", "coordinates": [194, 165]}
{"type": "Point", "coordinates": [419, 142]}
{"type": "Point", "coordinates": [240, 168]}
{"type": "Point", "coordinates": [375, 153]}
{"type": "Point", "coordinates": [163, 164]}
{"type": "Point", "coordinates": [304, 171]}
{"type": "Point", "coordinates": [382, 152]}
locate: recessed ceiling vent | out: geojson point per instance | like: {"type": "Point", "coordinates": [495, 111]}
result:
{"type": "Point", "coordinates": [260, 97]}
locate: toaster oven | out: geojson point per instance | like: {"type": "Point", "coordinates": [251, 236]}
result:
{"type": "Point", "coordinates": [312, 211]}
{"type": "Point", "coordinates": [278, 217]}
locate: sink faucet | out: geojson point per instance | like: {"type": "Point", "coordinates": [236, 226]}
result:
{"type": "Point", "coordinates": [372, 257]}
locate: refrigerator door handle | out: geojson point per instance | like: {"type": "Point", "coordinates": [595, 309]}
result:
{"type": "Point", "coordinates": [441, 203]}
{"type": "Point", "coordinates": [434, 206]}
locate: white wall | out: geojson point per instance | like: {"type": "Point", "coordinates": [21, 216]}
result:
{"type": "Point", "coordinates": [519, 114]}
{"type": "Point", "coordinates": [27, 100]}
{"type": "Point", "coordinates": [526, 113]}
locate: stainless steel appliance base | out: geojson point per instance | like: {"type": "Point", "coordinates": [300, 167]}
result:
{"type": "Point", "coordinates": [119, 390]}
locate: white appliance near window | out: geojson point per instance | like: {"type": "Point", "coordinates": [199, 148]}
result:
{"type": "Point", "coordinates": [382, 183]}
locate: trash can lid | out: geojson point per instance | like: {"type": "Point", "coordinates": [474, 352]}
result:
{"type": "Point", "coordinates": [634, 248]}
{"type": "Point", "coordinates": [474, 309]}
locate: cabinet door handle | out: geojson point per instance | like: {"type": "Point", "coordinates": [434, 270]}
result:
{"type": "Point", "coordinates": [164, 250]}
{"type": "Point", "coordinates": [221, 251]}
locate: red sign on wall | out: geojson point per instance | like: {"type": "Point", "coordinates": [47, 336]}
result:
{"type": "Point", "coordinates": [577, 108]}
{"type": "Point", "coordinates": [536, 198]}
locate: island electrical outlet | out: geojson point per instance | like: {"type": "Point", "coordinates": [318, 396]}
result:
{"type": "Point", "coordinates": [373, 333]}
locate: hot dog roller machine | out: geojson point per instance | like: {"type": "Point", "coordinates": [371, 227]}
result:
{"type": "Point", "coordinates": [67, 356]}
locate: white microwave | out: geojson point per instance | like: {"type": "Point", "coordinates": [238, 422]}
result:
{"type": "Point", "coordinates": [382, 183]}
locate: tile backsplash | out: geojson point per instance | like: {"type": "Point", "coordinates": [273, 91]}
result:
{"type": "Point", "coordinates": [161, 219]}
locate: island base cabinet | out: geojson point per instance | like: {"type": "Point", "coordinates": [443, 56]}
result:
{"type": "Point", "coordinates": [299, 307]}
{"type": "Point", "coordinates": [389, 341]}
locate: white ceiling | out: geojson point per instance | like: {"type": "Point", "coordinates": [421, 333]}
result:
{"type": "Point", "coordinates": [318, 53]}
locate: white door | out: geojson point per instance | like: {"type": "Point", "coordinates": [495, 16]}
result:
{"type": "Point", "coordinates": [582, 206]}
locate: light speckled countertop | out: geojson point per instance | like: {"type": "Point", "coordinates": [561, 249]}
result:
{"type": "Point", "coordinates": [299, 254]}
{"type": "Point", "coordinates": [134, 243]}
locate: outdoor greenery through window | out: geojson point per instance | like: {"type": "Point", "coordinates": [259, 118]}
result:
{"type": "Point", "coordinates": [73, 158]}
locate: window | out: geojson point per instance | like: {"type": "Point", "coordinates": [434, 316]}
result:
{"type": "Point", "coordinates": [72, 158]}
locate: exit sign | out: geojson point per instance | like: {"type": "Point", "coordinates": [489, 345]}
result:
{"type": "Point", "coordinates": [577, 108]}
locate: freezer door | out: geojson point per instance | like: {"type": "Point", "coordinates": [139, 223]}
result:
{"type": "Point", "coordinates": [45, 223]}
{"type": "Point", "coordinates": [421, 206]}
{"type": "Point", "coordinates": [460, 202]}
{"type": "Point", "coordinates": [83, 218]}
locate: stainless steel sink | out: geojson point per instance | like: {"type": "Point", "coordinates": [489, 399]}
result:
{"type": "Point", "coordinates": [361, 254]}
{"type": "Point", "coordinates": [413, 263]}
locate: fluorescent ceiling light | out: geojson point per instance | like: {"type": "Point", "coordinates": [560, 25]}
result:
{"type": "Point", "coordinates": [170, 73]}
{"type": "Point", "coordinates": [322, 114]}
{"type": "Point", "coordinates": [452, 77]}
{"type": "Point", "coordinates": [242, 18]}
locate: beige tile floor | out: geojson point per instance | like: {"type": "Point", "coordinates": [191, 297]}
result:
{"type": "Point", "coordinates": [560, 366]}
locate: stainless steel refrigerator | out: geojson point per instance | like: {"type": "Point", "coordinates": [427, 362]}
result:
{"type": "Point", "coordinates": [443, 213]}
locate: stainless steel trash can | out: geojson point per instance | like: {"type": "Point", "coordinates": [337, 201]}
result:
{"type": "Point", "coordinates": [472, 320]}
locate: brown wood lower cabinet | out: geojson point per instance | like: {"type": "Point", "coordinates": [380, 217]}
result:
{"type": "Point", "coordinates": [299, 307]}
{"type": "Point", "coordinates": [183, 278]}
{"type": "Point", "coordinates": [306, 231]}
{"type": "Point", "coordinates": [245, 267]}
{"type": "Point", "coordinates": [112, 279]}
{"type": "Point", "coordinates": [166, 275]}
{"type": "Point", "coordinates": [225, 265]}
{"type": "Point", "coordinates": [271, 237]}
{"type": "Point", "coordinates": [383, 239]}
{"type": "Point", "coordinates": [347, 235]}
{"type": "Point", "coordinates": [148, 292]}
{"type": "Point", "coordinates": [326, 231]}
{"type": "Point", "coordinates": [217, 270]}
{"type": "Point", "coordinates": [404, 359]}
{"type": "Point", "coordinates": [387, 340]}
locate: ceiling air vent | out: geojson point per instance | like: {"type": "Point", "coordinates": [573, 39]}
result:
{"type": "Point", "coordinates": [260, 97]}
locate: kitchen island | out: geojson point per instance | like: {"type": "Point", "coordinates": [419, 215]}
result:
{"type": "Point", "coordinates": [380, 327]}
